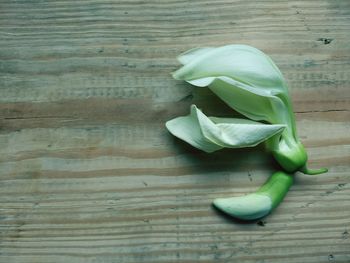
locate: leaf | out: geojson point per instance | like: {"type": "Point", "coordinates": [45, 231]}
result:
{"type": "Point", "coordinates": [212, 134]}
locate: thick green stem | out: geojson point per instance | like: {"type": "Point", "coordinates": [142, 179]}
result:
{"type": "Point", "coordinates": [260, 203]}
{"type": "Point", "coordinates": [306, 170]}
{"type": "Point", "coordinates": [277, 187]}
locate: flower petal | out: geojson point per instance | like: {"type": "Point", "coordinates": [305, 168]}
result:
{"type": "Point", "coordinates": [192, 54]}
{"type": "Point", "coordinates": [248, 207]}
{"type": "Point", "coordinates": [187, 128]}
{"type": "Point", "coordinates": [237, 133]}
{"type": "Point", "coordinates": [244, 99]}
{"type": "Point", "coordinates": [211, 134]}
{"type": "Point", "coordinates": [244, 78]}
{"type": "Point", "coordinates": [242, 63]}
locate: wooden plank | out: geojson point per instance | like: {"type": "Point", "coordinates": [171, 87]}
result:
{"type": "Point", "coordinates": [88, 171]}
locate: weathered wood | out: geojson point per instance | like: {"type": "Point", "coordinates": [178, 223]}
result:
{"type": "Point", "coordinates": [89, 173]}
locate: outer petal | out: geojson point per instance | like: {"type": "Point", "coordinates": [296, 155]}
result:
{"type": "Point", "coordinates": [193, 53]}
{"type": "Point", "coordinates": [211, 134]}
{"type": "Point", "coordinates": [242, 63]}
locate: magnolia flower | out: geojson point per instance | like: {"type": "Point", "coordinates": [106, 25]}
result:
{"type": "Point", "coordinates": [248, 81]}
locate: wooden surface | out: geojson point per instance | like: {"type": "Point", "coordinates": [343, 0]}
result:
{"type": "Point", "coordinates": [89, 173]}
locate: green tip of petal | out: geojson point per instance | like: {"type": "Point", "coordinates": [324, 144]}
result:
{"type": "Point", "coordinates": [259, 204]}
{"type": "Point", "coordinates": [308, 171]}
{"type": "Point", "coordinates": [248, 207]}
{"type": "Point", "coordinates": [175, 75]}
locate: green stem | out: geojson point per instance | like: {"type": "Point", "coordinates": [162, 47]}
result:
{"type": "Point", "coordinates": [276, 187]}
{"type": "Point", "coordinates": [306, 170]}
{"type": "Point", "coordinates": [260, 203]}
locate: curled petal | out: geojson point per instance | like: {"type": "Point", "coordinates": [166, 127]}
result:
{"type": "Point", "coordinates": [211, 134]}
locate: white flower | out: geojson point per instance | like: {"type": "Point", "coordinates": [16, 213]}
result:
{"type": "Point", "coordinates": [248, 81]}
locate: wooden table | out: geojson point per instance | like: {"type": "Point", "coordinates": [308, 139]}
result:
{"type": "Point", "coordinates": [90, 174]}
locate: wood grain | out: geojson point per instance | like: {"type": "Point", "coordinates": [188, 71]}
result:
{"type": "Point", "coordinates": [89, 173]}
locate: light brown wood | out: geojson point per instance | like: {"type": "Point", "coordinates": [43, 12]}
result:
{"type": "Point", "coordinates": [88, 171]}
